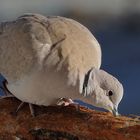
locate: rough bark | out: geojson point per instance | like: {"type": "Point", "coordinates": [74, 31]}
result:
{"type": "Point", "coordinates": [64, 123]}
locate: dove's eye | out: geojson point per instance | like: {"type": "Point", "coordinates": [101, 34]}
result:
{"type": "Point", "coordinates": [110, 93]}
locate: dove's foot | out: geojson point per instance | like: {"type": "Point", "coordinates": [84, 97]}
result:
{"type": "Point", "coordinates": [68, 102]}
{"type": "Point", "coordinates": [64, 102]}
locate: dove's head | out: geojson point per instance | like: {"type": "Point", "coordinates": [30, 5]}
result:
{"type": "Point", "coordinates": [105, 90]}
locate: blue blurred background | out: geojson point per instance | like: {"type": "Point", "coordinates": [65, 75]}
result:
{"type": "Point", "coordinates": [115, 24]}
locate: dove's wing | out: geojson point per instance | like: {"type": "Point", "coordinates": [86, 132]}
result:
{"type": "Point", "coordinates": [75, 48]}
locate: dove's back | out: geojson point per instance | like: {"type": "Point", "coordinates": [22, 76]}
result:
{"type": "Point", "coordinates": [40, 55]}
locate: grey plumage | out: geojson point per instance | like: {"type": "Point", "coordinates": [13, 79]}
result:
{"type": "Point", "coordinates": [45, 58]}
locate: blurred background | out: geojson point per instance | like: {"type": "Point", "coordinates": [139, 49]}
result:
{"type": "Point", "coordinates": [115, 24]}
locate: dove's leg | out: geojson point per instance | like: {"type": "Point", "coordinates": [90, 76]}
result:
{"type": "Point", "coordinates": [19, 107]}
{"type": "Point", "coordinates": [32, 110]}
{"type": "Point", "coordinates": [30, 107]}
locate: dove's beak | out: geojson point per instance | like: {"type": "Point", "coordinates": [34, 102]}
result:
{"type": "Point", "coordinates": [115, 111]}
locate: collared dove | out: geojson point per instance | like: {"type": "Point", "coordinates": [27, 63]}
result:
{"type": "Point", "coordinates": [46, 58]}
